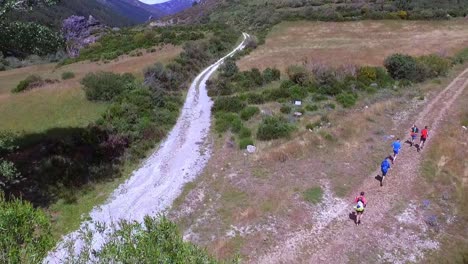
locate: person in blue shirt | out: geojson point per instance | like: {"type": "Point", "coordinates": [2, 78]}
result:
{"type": "Point", "coordinates": [396, 149]}
{"type": "Point", "coordinates": [384, 167]}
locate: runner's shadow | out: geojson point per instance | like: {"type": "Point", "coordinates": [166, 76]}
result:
{"type": "Point", "coordinates": [380, 179]}
{"type": "Point", "coordinates": [409, 143]}
{"type": "Point", "coordinates": [353, 216]}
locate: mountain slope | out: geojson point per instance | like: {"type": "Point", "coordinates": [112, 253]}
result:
{"type": "Point", "coordinates": [174, 6]}
{"type": "Point", "coordinates": [118, 13]}
{"type": "Point", "coordinates": [133, 9]}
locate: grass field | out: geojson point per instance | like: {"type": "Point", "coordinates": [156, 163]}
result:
{"type": "Point", "coordinates": [363, 42]}
{"type": "Point", "coordinates": [63, 104]}
{"type": "Point", "coordinates": [51, 107]}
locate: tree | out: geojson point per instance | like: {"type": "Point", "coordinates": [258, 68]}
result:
{"type": "Point", "coordinates": [9, 175]}
{"type": "Point", "coordinates": [21, 39]}
{"type": "Point", "coordinates": [26, 232]}
{"type": "Point", "coordinates": [9, 5]}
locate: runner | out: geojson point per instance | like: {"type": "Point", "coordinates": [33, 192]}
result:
{"type": "Point", "coordinates": [384, 167]}
{"type": "Point", "coordinates": [424, 135]}
{"type": "Point", "coordinates": [361, 204]}
{"type": "Point", "coordinates": [414, 134]}
{"type": "Point", "coordinates": [396, 149]}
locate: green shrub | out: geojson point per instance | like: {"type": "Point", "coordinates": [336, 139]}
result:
{"type": "Point", "coordinates": [155, 240]}
{"type": "Point", "coordinates": [106, 86]}
{"type": "Point", "coordinates": [26, 83]}
{"type": "Point", "coordinates": [313, 195]}
{"type": "Point", "coordinates": [249, 112]}
{"type": "Point", "coordinates": [228, 68]}
{"type": "Point", "coordinates": [285, 109]}
{"type": "Point", "coordinates": [434, 65]}
{"type": "Point", "coordinates": [68, 75]}
{"type": "Point", "coordinates": [270, 75]}
{"type": "Point", "coordinates": [384, 80]}
{"type": "Point", "coordinates": [367, 75]}
{"type": "Point", "coordinates": [227, 121]}
{"type": "Point", "coordinates": [402, 67]}
{"type": "Point", "coordinates": [244, 142]}
{"type": "Point", "coordinates": [346, 99]}
{"type": "Point", "coordinates": [297, 92]}
{"type": "Point", "coordinates": [228, 104]}
{"type": "Point", "coordinates": [298, 75]}
{"type": "Point", "coordinates": [273, 127]}
{"type": "Point", "coordinates": [26, 232]}
{"type": "Point", "coordinates": [311, 108]}
{"type": "Point", "coordinates": [245, 132]}
{"type": "Point", "coordinates": [461, 57]}
{"type": "Point", "coordinates": [276, 94]}
{"type": "Point", "coordinates": [255, 98]}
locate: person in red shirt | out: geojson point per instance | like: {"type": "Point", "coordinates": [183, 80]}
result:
{"type": "Point", "coordinates": [424, 135]}
{"type": "Point", "coordinates": [361, 204]}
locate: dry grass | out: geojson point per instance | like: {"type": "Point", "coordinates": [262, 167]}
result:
{"type": "Point", "coordinates": [363, 42]}
{"type": "Point", "coordinates": [63, 104]}
{"type": "Point", "coordinates": [9, 79]}
{"type": "Point", "coordinates": [445, 172]}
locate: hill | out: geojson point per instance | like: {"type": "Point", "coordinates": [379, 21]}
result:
{"type": "Point", "coordinates": [118, 13]}
{"type": "Point", "coordinates": [262, 14]}
{"type": "Point", "coordinates": [175, 6]}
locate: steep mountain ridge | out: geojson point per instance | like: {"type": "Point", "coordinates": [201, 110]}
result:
{"type": "Point", "coordinates": [133, 9]}
{"type": "Point", "coordinates": [175, 6]}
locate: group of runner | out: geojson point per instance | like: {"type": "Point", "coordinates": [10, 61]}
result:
{"type": "Point", "coordinates": [386, 164]}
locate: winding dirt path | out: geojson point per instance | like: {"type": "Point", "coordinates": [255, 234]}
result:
{"type": "Point", "coordinates": [337, 240]}
{"type": "Point", "coordinates": [153, 188]}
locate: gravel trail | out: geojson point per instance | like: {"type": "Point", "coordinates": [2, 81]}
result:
{"type": "Point", "coordinates": [153, 188]}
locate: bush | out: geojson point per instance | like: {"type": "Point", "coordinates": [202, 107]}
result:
{"type": "Point", "coordinates": [68, 75]}
{"type": "Point", "coordinates": [273, 127]}
{"type": "Point", "coordinates": [27, 83]}
{"type": "Point", "coordinates": [346, 99]}
{"type": "Point", "coordinates": [285, 109]}
{"type": "Point", "coordinates": [249, 112]}
{"type": "Point", "coordinates": [227, 121]}
{"type": "Point", "coordinates": [245, 133]}
{"type": "Point", "coordinates": [26, 232]}
{"type": "Point", "coordinates": [255, 98]}
{"type": "Point", "coordinates": [244, 142]}
{"type": "Point", "coordinates": [311, 108]}
{"type": "Point", "coordinates": [276, 94]}
{"type": "Point", "coordinates": [434, 66]}
{"type": "Point", "coordinates": [298, 92]}
{"type": "Point", "coordinates": [228, 104]}
{"type": "Point", "coordinates": [461, 57]}
{"type": "Point", "coordinates": [106, 86]}
{"type": "Point", "coordinates": [155, 240]}
{"type": "Point", "coordinates": [367, 75]}
{"type": "Point", "coordinates": [228, 68]}
{"type": "Point", "coordinates": [402, 67]}
{"type": "Point", "coordinates": [270, 75]}
{"type": "Point", "coordinates": [298, 75]}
